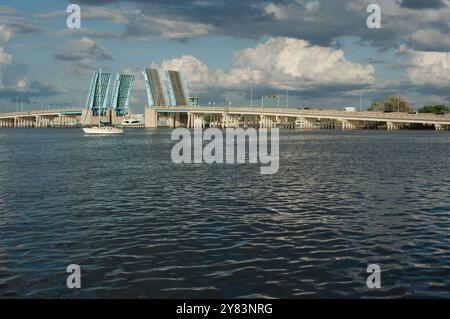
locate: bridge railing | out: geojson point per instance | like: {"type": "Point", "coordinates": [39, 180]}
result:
{"type": "Point", "coordinates": [383, 116]}
{"type": "Point", "coordinates": [39, 112]}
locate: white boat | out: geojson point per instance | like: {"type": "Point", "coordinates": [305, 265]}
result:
{"type": "Point", "coordinates": [133, 122]}
{"type": "Point", "coordinates": [102, 130]}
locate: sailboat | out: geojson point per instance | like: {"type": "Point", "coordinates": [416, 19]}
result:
{"type": "Point", "coordinates": [103, 128]}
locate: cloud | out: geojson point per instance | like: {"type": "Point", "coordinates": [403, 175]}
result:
{"type": "Point", "coordinates": [5, 34]}
{"type": "Point", "coordinates": [136, 24]}
{"type": "Point", "coordinates": [424, 68]}
{"type": "Point", "coordinates": [17, 23]}
{"type": "Point", "coordinates": [432, 39]}
{"type": "Point", "coordinates": [30, 89]}
{"type": "Point", "coordinates": [279, 63]}
{"type": "Point", "coordinates": [195, 71]}
{"type": "Point", "coordinates": [13, 79]}
{"type": "Point", "coordinates": [320, 22]}
{"type": "Point", "coordinates": [86, 32]}
{"type": "Point", "coordinates": [5, 58]}
{"type": "Point", "coordinates": [83, 54]}
{"type": "Point", "coordinates": [422, 4]}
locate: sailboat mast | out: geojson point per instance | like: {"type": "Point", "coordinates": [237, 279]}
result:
{"type": "Point", "coordinates": [99, 97]}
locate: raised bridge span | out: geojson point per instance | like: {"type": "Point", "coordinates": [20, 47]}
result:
{"type": "Point", "coordinates": [196, 117]}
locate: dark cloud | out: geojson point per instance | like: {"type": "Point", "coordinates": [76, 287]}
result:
{"type": "Point", "coordinates": [13, 72]}
{"type": "Point", "coordinates": [16, 72]}
{"type": "Point", "coordinates": [35, 89]}
{"type": "Point", "coordinates": [18, 23]}
{"type": "Point", "coordinates": [318, 21]}
{"type": "Point", "coordinates": [83, 54]}
{"type": "Point", "coordinates": [422, 4]}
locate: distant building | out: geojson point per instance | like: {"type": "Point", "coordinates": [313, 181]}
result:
{"type": "Point", "coordinates": [166, 88]}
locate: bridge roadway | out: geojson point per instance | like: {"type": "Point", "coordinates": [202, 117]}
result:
{"type": "Point", "coordinates": [233, 116]}
{"type": "Point", "coordinates": [290, 118]}
{"type": "Point", "coordinates": [42, 118]}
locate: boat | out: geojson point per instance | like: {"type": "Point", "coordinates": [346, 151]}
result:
{"type": "Point", "coordinates": [102, 130]}
{"type": "Point", "coordinates": [133, 121]}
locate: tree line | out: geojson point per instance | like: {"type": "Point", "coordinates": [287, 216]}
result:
{"type": "Point", "coordinates": [400, 104]}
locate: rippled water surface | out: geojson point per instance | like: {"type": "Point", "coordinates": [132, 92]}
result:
{"type": "Point", "coordinates": [141, 226]}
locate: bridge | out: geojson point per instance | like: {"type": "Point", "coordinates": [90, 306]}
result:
{"type": "Point", "coordinates": [223, 117]}
{"type": "Point", "coordinates": [196, 117]}
{"type": "Point", "coordinates": [42, 118]}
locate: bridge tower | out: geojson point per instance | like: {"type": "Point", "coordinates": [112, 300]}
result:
{"type": "Point", "coordinates": [98, 93]}
{"type": "Point", "coordinates": [121, 93]}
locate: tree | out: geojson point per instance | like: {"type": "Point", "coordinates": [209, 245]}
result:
{"type": "Point", "coordinates": [433, 109]}
{"type": "Point", "coordinates": [391, 104]}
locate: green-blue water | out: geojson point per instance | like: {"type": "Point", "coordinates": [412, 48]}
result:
{"type": "Point", "coordinates": [141, 226]}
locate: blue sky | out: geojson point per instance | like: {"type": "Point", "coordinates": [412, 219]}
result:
{"type": "Point", "coordinates": [320, 51]}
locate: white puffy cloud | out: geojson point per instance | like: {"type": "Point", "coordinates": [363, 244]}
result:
{"type": "Point", "coordinates": [425, 67]}
{"type": "Point", "coordinates": [195, 71]}
{"type": "Point", "coordinates": [278, 11]}
{"type": "Point", "coordinates": [279, 63]}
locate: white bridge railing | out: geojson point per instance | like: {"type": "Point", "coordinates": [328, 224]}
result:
{"type": "Point", "coordinates": [326, 114]}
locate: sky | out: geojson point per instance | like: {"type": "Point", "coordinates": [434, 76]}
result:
{"type": "Point", "coordinates": [311, 53]}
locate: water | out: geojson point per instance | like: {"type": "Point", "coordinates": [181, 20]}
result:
{"type": "Point", "coordinates": [140, 226]}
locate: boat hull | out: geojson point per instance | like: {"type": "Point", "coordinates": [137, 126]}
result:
{"type": "Point", "coordinates": [107, 130]}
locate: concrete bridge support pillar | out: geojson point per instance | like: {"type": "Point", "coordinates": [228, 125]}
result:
{"type": "Point", "coordinates": [150, 118]}
{"type": "Point", "coordinates": [199, 120]}
{"type": "Point", "coordinates": [224, 122]}
{"type": "Point", "coordinates": [371, 125]}
{"type": "Point", "coordinates": [292, 122]}
{"type": "Point", "coordinates": [214, 120]}
{"type": "Point", "coordinates": [250, 120]}
{"type": "Point", "coordinates": [176, 120]}
{"type": "Point", "coordinates": [230, 120]}
{"type": "Point", "coordinates": [350, 125]}
{"type": "Point", "coordinates": [440, 127]}
{"type": "Point", "coordinates": [190, 121]}
{"type": "Point", "coordinates": [392, 126]}
{"type": "Point", "coordinates": [307, 123]}
{"type": "Point", "coordinates": [237, 119]}
{"type": "Point", "coordinates": [326, 124]}
{"type": "Point", "coordinates": [171, 120]}
{"type": "Point", "coordinates": [262, 121]}
{"type": "Point", "coordinates": [271, 121]}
